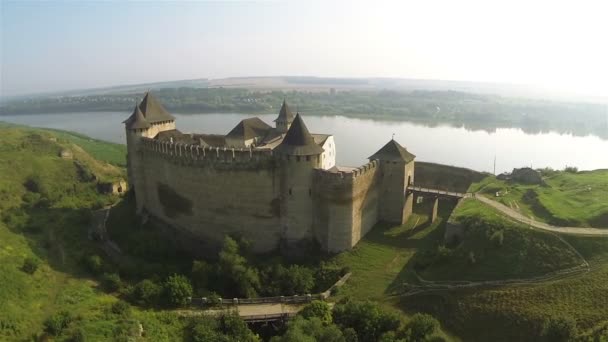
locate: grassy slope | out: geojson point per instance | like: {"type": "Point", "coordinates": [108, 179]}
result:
{"type": "Point", "coordinates": [579, 199]}
{"type": "Point", "coordinates": [385, 259]}
{"type": "Point", "coordinates": [55, 234]}
{"type": "Point", "coordinates": [523, 252]}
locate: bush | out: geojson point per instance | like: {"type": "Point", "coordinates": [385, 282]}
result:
{"type": "Point", "coordinates": [121, 308]}
{"type": "Point", "coordinates": [421, 326]}
{"type": "Point", "coordinates": [146, 292]}
{"type": "Point", "coordinates": [178, 290]}
{"type": "Point", "coordinates": [57, 322]}
{"type": "Point", "coordinates": [471, 258]}
{"type": "Point", "coordinates": [319, 309]}
{"type": "Point", "coordinates": [558, 330]}
{"type": "Point", "coordinates": [497, 238]}
{"type": "Point", "coordinates": [78, 336]}
{"type": "Point", "coordinates": [30, 265]}
{"type": "Point", "coordinates": [112, 282]}
{"type": "Point", "coordinates": [367, 319]}
{"type": "Point", "coordinates": [94, 263]}
{"type": "Point", "coordinates": [571, 169]}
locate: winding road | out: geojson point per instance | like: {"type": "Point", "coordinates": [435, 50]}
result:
{"type": "Point", "coordinates": [540, 225]}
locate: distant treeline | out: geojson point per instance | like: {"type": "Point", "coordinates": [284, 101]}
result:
{"type": "Point", "coordinates": [473, 111]}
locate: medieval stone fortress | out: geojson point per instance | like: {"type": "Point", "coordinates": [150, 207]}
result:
{"type": "Point", "coordinates": [274, 186]}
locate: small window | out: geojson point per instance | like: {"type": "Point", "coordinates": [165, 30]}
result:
{"type": "Point", "coordinates": [307, 158]}
{"type": "Point", "coordinates": [288, 157]}
{"type": "Point", "coordinates": [298, 158]}
{"type": "Point", "coordinates": [309, 192]}
{"type": "Point", "coordinates": [289, 191]}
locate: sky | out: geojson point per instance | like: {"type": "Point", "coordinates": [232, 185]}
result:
{"type": "Point", "coordinates": [53, 46]}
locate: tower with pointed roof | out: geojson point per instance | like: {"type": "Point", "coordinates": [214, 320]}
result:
{"type": "Point", "coordinates": [285, 118]}
{"type": "Point", "coordinates": [299, 155]}
{"type": "Point", "coordinates": [149, 118]}
{"type": "Point", "coordinates": [396, 173]}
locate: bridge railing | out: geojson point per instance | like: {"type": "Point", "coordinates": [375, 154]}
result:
{"type": "Point", "coordinates": [434, 191]}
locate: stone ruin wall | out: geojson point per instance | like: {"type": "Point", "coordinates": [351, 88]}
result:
{"type": "Point", "coordinates": [211, 192]}
{"type": "Point", "coordinates": [346, 205]}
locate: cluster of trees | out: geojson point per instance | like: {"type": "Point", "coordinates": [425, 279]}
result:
{"type": "Point", "coordinates": [434, 107]}
{"type": "Point", "coordinates": [232, 274]}
{"type": "Point", "coordinates": [357, 322]}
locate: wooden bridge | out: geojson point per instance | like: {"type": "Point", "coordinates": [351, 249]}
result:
{"type": "Point", "coordinates": [435, 192]}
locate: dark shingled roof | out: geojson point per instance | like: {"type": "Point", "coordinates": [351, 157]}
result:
{"type": "Point", "coordinates": [392, 151]}
{"type": "Point", "coordinates": [285, 113]}
{"type": "Point", "coordinates": [154, 111]}
{"type": "Point", "coordinates": [298, 141]}
{"type": "Point", "coordinates": [136, 120]}
{"type": "Point", "coordinates": [249, 129]}
{"type": "Point", "coordinates": [215, 140]}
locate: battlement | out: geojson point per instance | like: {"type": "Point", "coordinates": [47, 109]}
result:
{"type": "Point", "coordinates": [202, 154]}
{"type": "Point", "coordinates": [346, 175]}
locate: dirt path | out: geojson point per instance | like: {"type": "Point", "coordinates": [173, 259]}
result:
{"type": "Point", "coordinates": [540, 225]}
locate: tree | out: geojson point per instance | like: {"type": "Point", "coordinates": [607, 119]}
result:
{"type": "Point", "coordinates": [310, 330]}
{"type": "Point", "coordinates": [94, 263]}
{"type": "Point", "coordinates": [318, 309]}
{"type": "Point", "coordinates": [560, 329]}
{"type": "Point", "coordinates": [178, 290]}
{"type": "Point", "coordinates": [421, 326]}
{"type": "Point", "coordinates": [298, 280]}
{"type": "Point", "coordinates": [121, 308]}
{"type": "Point", "coordinates": [234, 327]}
{"type": "Point", "coordinates": [366, 318]}
{"type": "Point", "coordinates": [238, 277]}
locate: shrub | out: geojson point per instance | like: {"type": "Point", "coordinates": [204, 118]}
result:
{"type": "Point", "coordinates": [146, 292]}
{"type": "Point", "coordinates": [78, 336]}
{"type": "Point", "coordinates": [558, 330]}
{"type": "Point", "coordinates": [30, 265]}
{"type": "Point", "coordinates": [366, 318]}
{"type": "Point", "coordinates": [178, 290]}
{"type": "Point", "coordinates": [57, 322]}
{"type": "Point", "coordinates": [112, 282]}
{"type": "Point", "coordinates": [497, 238]}
{"type": "Point", "coordinates": [421, 326]}
{"type": "Point", "coordinates": [94, 263]}
{"type": "Point", "coordinates": [319, 309]}
{"type": "Point", "coordinates": [121, 308]}
{"type": "Point", "coordinates": [571, 169]}
{"type": "Point", "coordinates": [471, 258]}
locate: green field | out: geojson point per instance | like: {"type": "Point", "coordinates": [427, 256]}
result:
{"type": "Point", "coordinates": [566, 199]}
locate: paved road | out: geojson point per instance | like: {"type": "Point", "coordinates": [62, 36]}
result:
{"type": "Point", "coordinates": [541, 225]}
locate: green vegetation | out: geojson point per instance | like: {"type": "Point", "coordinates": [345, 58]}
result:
{"type": "Point", "coordinates": [493, 248]}
{"type": "Point", "coordinates": [474, 111]}
{"type": "Point", "coordinates": [576, 199]}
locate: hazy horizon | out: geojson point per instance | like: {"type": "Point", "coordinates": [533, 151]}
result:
{"type": "Point", "coordinates": [57, 46]}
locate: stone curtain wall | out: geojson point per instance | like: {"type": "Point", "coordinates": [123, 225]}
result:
{"type": "Point", "coordinates": [223, 191]}
{"type": "Point", "coordinates": [346, 205]}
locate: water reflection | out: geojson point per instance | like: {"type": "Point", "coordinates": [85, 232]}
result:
{"type": "Point", "coordinates": [356, 139]}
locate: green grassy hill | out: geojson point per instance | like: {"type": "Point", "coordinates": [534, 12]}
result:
{"type": "Point", "coordinates": [45, 205]}
{"type": "Point", "coordinates": [566, 199]}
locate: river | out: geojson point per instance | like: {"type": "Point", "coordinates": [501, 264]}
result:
{"type": "Point", "coordinates": [356, 139]}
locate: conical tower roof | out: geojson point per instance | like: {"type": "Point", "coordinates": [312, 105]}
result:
{"type": "Point", "coordinates": [285, 113]}
{"type": "Point", "coordinates": [392, 151]}
{"type": "Point", "coordinates": [298, 141]}
{"type": "Point", "coordinates": [137, 120]}
{"type": "Point", "coordinates": [154, 111]}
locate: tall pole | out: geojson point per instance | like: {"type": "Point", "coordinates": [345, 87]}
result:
{"type": "Point", "coordinates": [494, 165]}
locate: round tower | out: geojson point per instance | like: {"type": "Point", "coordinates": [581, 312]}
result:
{"type": "Point", "coordinates": [299, 155]}
{"type": "Point", "coordinates": [397, 173]}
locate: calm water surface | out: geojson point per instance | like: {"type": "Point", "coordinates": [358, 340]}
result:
{"type": "Point", "coordinates": [356, 139]}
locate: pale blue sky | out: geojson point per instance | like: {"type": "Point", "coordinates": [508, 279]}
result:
{"type": "Point", "coordinates": [50, 46]}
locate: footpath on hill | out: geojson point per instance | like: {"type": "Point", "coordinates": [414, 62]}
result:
{"type": "Point", "coordinates": [540, 225]}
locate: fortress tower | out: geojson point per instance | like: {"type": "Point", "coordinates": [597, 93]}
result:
{"type": "Point", "coordinates": [397, 172]}
{"type": "Point", "coordinates": [299, 156]}
{"type": "Point", "coordinates": [283, 122]}
{"type": "Point", "coordinates": [147, 120]}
